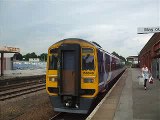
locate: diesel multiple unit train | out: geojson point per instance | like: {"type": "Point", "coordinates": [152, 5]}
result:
{"type": "Point", "coordinates": [77, 71]}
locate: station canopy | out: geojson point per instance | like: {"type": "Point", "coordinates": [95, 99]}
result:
{"type": "Point", "coordinates": [5, 49]}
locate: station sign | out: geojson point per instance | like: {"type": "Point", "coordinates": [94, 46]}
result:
{"type": "Point", "coordinates": [9, 49]}
{"type": "Point", "coordinates": [146, 30]}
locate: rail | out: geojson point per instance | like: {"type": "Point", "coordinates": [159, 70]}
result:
{"type": "Point", "coordinates": [12, 91]}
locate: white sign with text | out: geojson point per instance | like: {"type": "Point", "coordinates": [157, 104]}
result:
{"type": "Point", "coordinates": [145, 30]}
{"type": "Point", "coordinates": [9, 49]}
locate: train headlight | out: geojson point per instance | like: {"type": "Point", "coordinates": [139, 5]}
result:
{"type": "Point", "coordinates": [52, 79]}
{"type": "Point", "coordinates": [88, 80]}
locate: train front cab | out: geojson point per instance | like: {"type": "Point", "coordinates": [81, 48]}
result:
{"type": "Point", "coordinates": [71, 79]}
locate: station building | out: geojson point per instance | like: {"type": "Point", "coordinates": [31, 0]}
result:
{"type": "Point", "coordinates": [150, 55]}
{"type": "Point", "coordinates": [34, 60]}
{"type": "Point", "coordinates": [133, 60]}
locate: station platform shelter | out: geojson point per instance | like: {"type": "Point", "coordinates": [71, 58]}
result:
{"type": "Point", "coordinates": [4, 50]}
{"type": "Point", "coordinates": [128, 100]}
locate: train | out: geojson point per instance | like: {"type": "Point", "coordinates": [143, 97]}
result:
{"type": "Point", "coordinates": [77, 72]}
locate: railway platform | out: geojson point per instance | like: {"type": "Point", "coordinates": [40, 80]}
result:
{"type": "Point", "coordinates": [127, 100]}
{"type": "Point", "coordinates": [13, 74]}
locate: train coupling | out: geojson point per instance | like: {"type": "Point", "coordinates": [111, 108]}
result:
{"type": "Point", "coordinates": [70, 105]}
{"type": "Point", "coordinates": [70, 102]}
{"type": "Point", "coordinates": [76, 106]}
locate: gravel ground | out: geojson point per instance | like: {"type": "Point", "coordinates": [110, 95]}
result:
{"type": "Point", "coordinates": [34, 106]}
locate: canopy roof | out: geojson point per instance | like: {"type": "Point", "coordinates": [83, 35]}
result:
{"type": "Point", "coordinates": [6, 49]}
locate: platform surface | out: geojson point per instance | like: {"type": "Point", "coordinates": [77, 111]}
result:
{"type": "Point", "coordinates": [129, 101]}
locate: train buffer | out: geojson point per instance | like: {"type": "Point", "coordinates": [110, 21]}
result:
{"type": "Point", "coordinates": [129, 101]}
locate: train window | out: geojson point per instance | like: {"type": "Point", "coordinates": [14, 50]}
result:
{"type": "Point", "coordinates": [88, 62]}
{"type": "Point", "coordinates": [53, 59]}
{"type": "Point", "coordinates": [107, 63]}
{"type": "Point", "coordinates": [53, 62]}
{"type": "Point", "coordinates": [113, 64]}
{"type": "Point", "coordinates": [87, 50]}
{"type": "Point", "coordinates": [55, 50]}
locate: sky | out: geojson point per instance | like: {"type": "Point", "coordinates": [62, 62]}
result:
{"type": "Point", "coordinates": [34, 25]}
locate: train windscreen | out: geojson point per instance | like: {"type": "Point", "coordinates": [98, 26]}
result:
{"type": "Point", "coordinates": [53, 59]}
{"type": "Point", "coordinates": [87, 59]}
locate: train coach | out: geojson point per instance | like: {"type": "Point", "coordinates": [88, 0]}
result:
{"type": "Point", "coordinates": [77, 71]}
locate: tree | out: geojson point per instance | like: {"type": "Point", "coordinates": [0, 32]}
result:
{"type": "Point", "coordinates": [33, 55]}
{"type": "Point", "coordinates": [120, 57]}
{"type": "Point", "coordinates": [30, 55]}
{"type": "Point", "coordinates": [17, 56]}
{"type": "Point", "coordinates": [116, 54]}
{"type": "Point", "coordinates": [43, 57]}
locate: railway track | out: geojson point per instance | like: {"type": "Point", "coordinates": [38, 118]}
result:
{"type": "Point", "coordinates": [18, 85]}
{"type": "Point", "coordinates": [15, 90]}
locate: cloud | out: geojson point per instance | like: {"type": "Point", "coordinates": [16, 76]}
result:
{"type": "Point", "coordinates": [111, 38]}
{"type": "Point", "coordinates": [111, 23]}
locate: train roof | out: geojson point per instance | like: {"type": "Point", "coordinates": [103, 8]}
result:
{"type": "Point", "coordinates": [89, 42]}
{"type": "Point", "coordinates": [78, 39]}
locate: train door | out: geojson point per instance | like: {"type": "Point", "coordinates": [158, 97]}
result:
{"type": "Point", "coordinates": [69, 72]}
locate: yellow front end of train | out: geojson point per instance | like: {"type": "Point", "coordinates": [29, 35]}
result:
{"type": "Point", "coordinates": [72, 75]}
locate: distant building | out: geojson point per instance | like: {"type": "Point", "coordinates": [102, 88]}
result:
{"type": "Point", "coordinates": [150, 55]}
{"type": "Point", "coordinates": [133, 60]}
{"type": "Point", "coordinates": [34, 60]}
